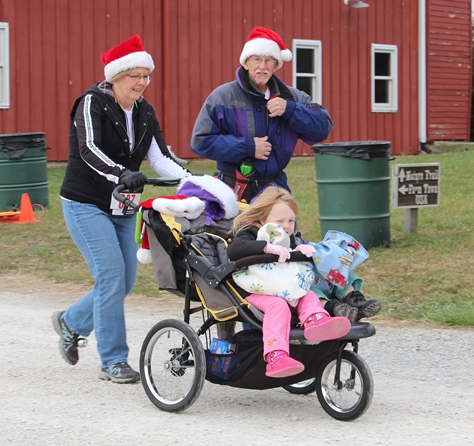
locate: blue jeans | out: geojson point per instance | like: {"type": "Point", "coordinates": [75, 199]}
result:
{"type": "Point", "coordinates": [108, 246]}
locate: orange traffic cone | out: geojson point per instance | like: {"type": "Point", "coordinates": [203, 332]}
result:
{"type": "Point", "coordinates": [26, 210]}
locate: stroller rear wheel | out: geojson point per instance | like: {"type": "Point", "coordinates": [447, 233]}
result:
{"type": "Point", "coordinates": [348, 397]}
{"type": "Point", "coordinates": [303, 387]}
{"type": "Point", "coordinates": [172, 365]}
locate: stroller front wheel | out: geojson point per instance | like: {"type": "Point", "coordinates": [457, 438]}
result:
{"type": "Point", "coordinates": [347, 397]}
{"type": "Point", "coordinates": [172, 365]}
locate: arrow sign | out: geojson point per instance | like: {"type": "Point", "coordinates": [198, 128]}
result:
{"type": "Point", "coordinates": [403, 190]}
{"type": "Point", "coordinates": [401, 175]}
{"type": "Point", "coordinates": [415, 185]}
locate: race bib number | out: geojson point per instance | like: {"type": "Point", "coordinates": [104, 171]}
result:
{"type": "Point", "coordinates": [118, 208]}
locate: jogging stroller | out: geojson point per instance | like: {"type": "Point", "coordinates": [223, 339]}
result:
{"type": "Point", "coordinates": [176, 359]}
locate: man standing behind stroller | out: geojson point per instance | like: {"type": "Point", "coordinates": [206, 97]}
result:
{"type": "Point", "coordinates": [250, 126]}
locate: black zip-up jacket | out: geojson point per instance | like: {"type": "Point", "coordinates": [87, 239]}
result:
{"type": "Point", "coordinates": [99, 145]}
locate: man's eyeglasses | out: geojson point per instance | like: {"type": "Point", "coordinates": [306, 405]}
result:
{"type": "Point", "coordinates": [271, 62]}
{"type": "Point", "coordinates": [137, 77]}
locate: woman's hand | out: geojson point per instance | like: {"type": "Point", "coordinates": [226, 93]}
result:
{"type": "Point", "coordinates": [132, 180]}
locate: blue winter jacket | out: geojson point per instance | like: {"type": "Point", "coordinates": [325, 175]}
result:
{"type": "Point", "coordinates": [236, 112]}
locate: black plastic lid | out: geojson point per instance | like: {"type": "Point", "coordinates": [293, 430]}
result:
{"type": "Point", "coordinates": [365, 150]}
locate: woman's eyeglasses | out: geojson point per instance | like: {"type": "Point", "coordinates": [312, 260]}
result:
{"type": "Point", "coordinates": [137, 77]}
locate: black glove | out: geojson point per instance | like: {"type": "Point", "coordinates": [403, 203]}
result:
{"type": "Point", "coordinates": [132, 180]}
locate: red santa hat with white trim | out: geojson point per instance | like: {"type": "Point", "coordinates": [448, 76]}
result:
{"type": "Point", "coordinates": [265, 42]}
{"type": "Point", "coordinates": [176, 206]}
{"type": "Point", "coordinates": [125, 56]}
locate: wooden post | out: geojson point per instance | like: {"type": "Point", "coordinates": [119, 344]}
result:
{"type": "Point", "coordinates": [411, 220]}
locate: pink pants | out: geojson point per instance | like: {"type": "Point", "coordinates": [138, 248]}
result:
{"type": "Point", "coordinates": [277, 317]}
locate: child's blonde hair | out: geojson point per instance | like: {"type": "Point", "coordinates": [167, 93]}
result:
{"type": "Point", "coordinates": [259, 209]}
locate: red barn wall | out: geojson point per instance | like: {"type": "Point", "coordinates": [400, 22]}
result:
{"type": "Point", "coordinates": [449, 60]}
{"type": "Point", "coordinates": [212, 52]}
{"type": "Point", "coordinates": [55, 49]}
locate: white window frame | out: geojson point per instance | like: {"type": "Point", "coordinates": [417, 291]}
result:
{"type": "Point", "coordinates": [392, 79]}
{"type": "Point", "coordinates": [317, 78]}
{"type": "Point", "coordinates": [4, 66]}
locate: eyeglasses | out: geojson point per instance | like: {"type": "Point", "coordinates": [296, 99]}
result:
{"type": "Point", "coordinates": [268, 62]}
{"type": "Point", "coordinates": [137, 77]}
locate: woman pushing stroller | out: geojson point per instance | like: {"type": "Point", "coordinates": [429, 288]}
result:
{"type": "Point", "coordinates": [277, 206]}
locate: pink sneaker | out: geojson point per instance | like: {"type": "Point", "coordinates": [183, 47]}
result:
{"type": "Point", "coordinates": [320, 327]}
{"type": "Point", "coordinates": [280, 365]}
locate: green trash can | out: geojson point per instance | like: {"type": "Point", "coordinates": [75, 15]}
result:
{"type": "Point", "coordinates": [353, 183]}
{"type": "Point", "coordinates": [23, 169]}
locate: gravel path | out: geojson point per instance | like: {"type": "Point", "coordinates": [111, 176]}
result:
{"type": "Point", "coordinates": [423, 389]}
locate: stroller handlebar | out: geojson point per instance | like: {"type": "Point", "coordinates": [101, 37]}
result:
{"type": "Point", "coordinates": [162, 182]}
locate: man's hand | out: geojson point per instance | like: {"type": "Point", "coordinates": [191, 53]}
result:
{"type": "Point", "coordinates": [262, 148]}
{"type": "Point", "coordinates": [276, 107]}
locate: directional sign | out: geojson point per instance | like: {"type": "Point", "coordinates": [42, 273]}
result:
{"type": "Point", "coordinates": [415, 185]}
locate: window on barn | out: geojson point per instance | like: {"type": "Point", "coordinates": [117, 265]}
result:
{"type": "Point", "coordinates": [4, 66]}
{"type": "Point", "coordinates": [307, 68]}
{"type": "Point", "coordinates": [384, 78]}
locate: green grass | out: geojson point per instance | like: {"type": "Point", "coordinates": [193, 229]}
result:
{"type": "Point", "coordinates": [426, 277]}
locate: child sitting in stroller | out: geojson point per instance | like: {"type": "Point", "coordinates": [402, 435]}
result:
{"type": "Point", "coordinates": [275, 205]}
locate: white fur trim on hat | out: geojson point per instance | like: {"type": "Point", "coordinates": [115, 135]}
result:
{"type": "Point", "coordinates": [144, 255]}
{"type": "Point", "coordinates": [191, 207]}
{"type": "Point", "coordinates": [126, 55]}
{"type": "Point", "coordinates": [139, 59]}
{"type": "Point", "coordinates": [265, 42]}
{"type": "Point", "coordinates": [217, 188]}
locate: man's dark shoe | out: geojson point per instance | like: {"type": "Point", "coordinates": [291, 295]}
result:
{"type": "Point", "coordinates": [68, 341]}
{"type": "Point", "coordinates": [366, 308]}
{"type": "Point", "coordinates": [120, 373]}
{"type": "Point", "coordinates": [337, 308]}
